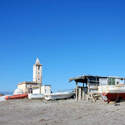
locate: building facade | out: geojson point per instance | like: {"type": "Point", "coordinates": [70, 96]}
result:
{"type": "Point", "coordinates": [45, 89]}
{"type": "Point", "coordinates": [28, 86]}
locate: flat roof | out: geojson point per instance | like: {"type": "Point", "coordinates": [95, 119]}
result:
{"type": "Point", "coordinates": [84, 78]}
{"type": "Point", "coordinates": [28, 82]}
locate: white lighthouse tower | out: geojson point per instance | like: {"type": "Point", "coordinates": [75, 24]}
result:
{"type": "Point", "coordinates": [37, 72]}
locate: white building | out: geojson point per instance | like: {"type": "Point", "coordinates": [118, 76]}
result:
{"type": "Point", "coordinates": [45, 89]}
{"type": "Point", "coordinates": [28, 86]}
{"type": "Point", "coordinates": [35, 86]}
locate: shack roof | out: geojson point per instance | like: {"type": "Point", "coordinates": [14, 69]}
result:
{"type": "Point", "coordinates": [84, 78]}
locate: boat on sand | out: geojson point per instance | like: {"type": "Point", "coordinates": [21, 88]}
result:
{"type": "Point", "coordinates": [3, 98]}
{"type": "Point", "coordinates": [59, 95]}
{"type": "Point", "coordinates": [18, 96]}
{"type": "Point", "coordinates": [112, 92]}
{"type": "Point", "coordinates": [35, 96]}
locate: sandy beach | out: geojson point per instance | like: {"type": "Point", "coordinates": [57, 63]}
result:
{"type": "Point", "coordinates": [65, 112]}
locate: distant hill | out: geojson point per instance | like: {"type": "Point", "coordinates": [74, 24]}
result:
{"type": "Point", "coordinates": [6, 92]}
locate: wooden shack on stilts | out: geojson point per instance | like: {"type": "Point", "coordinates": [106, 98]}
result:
{"type": "Point", "coordinates": [88, 88]}
{"type": "Point", "coordinates": [92, 87]}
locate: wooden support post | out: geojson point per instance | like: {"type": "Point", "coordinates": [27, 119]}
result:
{"type": "Point", "coordinates": [83, 95]}
{"type": "Point", "coordinates": [79, 93]}
{"type": "Point", "coordinates": [76, 91]}
{"type": "Point", "coordinates": [88, 93]}
{"type": "Point", "coordinates": [88, 86]}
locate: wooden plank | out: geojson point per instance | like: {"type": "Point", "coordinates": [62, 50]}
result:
{"type": "Point", "coordinates": [76, 91]}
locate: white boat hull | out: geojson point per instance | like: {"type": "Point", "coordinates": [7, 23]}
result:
{"type": "Point", "coordinates": [112, 92]}
{"type": "Point", "coordinates": [59, 95]}
{"type": "Point", "coordinates": [111, 89]}
{"type": "Point", "coordinates": [35, 96]}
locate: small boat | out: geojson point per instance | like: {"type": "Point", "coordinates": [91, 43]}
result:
{"type": "Point", "coordinates": [3, 98]}
{"type": "Point", "coordinates": [59, 95]}
{"type": "Point", "coordinates": [112, 92]}
{"type": "Point", "coordinates": [18, 96]}
{"type": "Point", "coordinates": [35, 96]}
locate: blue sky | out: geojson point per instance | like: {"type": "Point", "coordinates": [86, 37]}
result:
{"type": "Point", "coordinates": [70, 37]}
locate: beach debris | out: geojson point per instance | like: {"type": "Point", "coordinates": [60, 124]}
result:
{"type": "Point", "coordinates": [117, 104]}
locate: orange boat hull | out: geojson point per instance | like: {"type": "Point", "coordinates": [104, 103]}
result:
{"type": "Point", "coordinates": [19, 96]}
